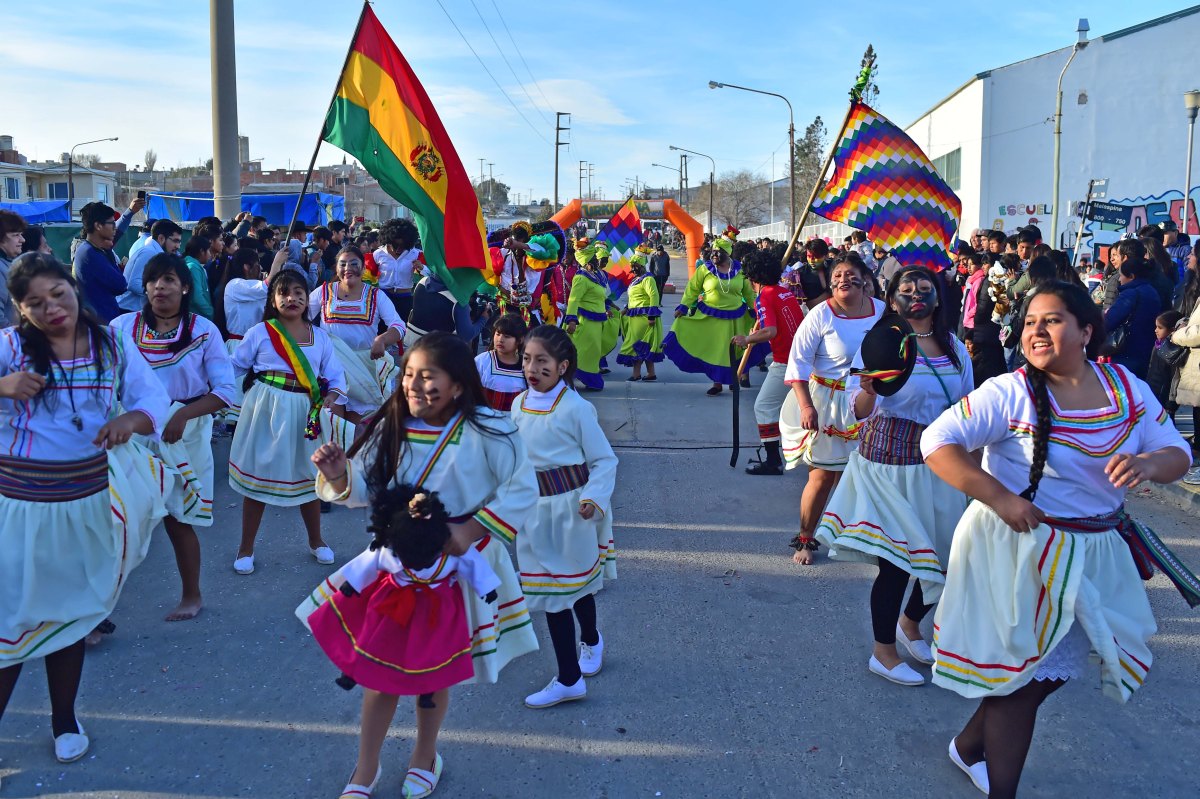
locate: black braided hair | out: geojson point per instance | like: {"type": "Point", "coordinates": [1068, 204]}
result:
{"type": "Point", "coordinates": [1086, 313]}
{"type": "Point", "coordinates": [1041, 434]}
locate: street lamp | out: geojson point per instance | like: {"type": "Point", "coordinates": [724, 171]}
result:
{"type": "Point", "coordinates": [677, 172]}
{"type": "Point", "coordinates": [712, 176]}
{"type": "Point", "coordinates": [71, 172]}
{"type": "Point", "coordinates": [1191, 102]}
{"type": "Point", "coordinates": [712, 84]}
{"type": "Point", "coordinates": [1081, 31]}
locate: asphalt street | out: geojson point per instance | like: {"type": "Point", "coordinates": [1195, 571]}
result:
{"type": "Point", "coordinates": [729, 671]}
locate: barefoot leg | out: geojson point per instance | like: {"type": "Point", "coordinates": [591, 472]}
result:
{"type": "Point", "coordinates": [812, 504]}
{"type": "Point", "coordinates": [187, 560]}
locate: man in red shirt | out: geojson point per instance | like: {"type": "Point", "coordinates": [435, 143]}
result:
{"type": "Point", "coordinates": [779, 315]}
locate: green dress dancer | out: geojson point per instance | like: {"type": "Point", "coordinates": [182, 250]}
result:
{"type": "Point", "coordinates": [717, 305]}
{"type": "Point", "coordinates": [586, 315]}
{"type": "Point", "coordinates": [641, 323]}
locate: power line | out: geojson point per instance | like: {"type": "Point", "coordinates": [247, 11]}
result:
{"type": "Point", "coordinates": [508, 63]}
{"type": "Point", "coordinates": [522, 55]}
{"type": "Point", "coordinates": [516, 108]}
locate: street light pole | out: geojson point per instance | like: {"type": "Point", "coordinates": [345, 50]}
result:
{"type": "Point", "coordinates": [712, 84]}
{"type": "Point", "coordinates": [677, 172]}
{"type": "Point", "coordinates": [1191, 101]}
{"type": "Point", "coordinates": [1082, 31]}
{"type": "Point", "coordinates": [71, 172]}
{"type": "Point", "coordinates": [712, 177]}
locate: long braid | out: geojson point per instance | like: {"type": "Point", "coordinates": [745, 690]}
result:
{"type": "Point", "coordinates": [1041, 436]}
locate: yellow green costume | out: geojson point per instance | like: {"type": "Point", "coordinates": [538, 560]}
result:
{"type": "Point", "coordinates": [641, 324]}
{"type": "Point", "coordinates": [586, 305]}
{"type": "Point", "coordinates": [720, 305]}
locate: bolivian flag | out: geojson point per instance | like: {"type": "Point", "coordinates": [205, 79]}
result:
{"type": "Point", "coordinates": [382, 116]}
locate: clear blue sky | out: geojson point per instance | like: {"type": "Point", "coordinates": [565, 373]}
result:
{"type": "Point", "coordinates": [634, 75]}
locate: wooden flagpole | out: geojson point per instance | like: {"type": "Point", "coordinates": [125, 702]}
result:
{"type": "Point", "coordinates": [855, 96]}
{"type": "Point", "coordinates": [321, 136]}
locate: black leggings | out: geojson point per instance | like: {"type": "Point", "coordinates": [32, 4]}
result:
{"type": "Point", "coordinates": [64, 669]}
{"type": "Point", "coordinates": [886, 595]}
{"type": "Point", "coordinates": [562, 635]}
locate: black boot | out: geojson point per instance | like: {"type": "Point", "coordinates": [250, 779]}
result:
{"type": "Point", "coordinates": [773, 465]}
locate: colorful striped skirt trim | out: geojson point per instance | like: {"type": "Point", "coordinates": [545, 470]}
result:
{"type": "Point", "coordinates": [553, 482]}
{"type": "Point", "coordinates": [891, 441]}
{"type": "Point", "coordinates": [31, 480]}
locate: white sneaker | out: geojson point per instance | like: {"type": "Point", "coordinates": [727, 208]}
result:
{"type": "Point", "coordinates": [556, 692]}
{"type": "Point", "coordinates": [244, 564]}
{"type": "Point", "coordinates": [1192, 478]}
{"type": "Point", "coordinates": [917, 648]}
{"type": "Point", "coordinates": [71, 746]}
{"type": "Point", "coordinates": [324, 555]}
{"type": "Point", "coordinates": [977, 772]}
{"type": "Point", "coordinates": [591, 658]}
{"type": "Point", "coordinates": [903, 674]}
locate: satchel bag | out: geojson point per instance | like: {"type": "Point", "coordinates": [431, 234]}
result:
{"type": "Point", "coordinates": [1174, 355]}
{"type": "Point", "coordinates": [1118, 337]}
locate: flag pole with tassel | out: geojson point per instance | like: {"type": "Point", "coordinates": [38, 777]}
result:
{"type": "Point", "coordinates": [860, 86]}
{"type": "Point", "coordinates": [321, 136]}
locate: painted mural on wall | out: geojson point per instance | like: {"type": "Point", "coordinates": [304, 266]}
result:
{"type": "Point", "coordinates": [1150, 210]}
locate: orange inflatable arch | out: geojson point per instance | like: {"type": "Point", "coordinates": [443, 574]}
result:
{"type": "Point", "coordinates": [693, 231]}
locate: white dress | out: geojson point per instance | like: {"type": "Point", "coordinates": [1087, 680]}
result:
{"type": "Point", "coordinates": [354, 324]}
{"type": "Point", "coordinates": [886, 506]}
{"type": "Point", "coordinates": [270, 458]}
{"type": "Point", "coordinates": [501, 384]}
{"type": "Point", "coordinates": [486, 476]}
{"type": "Point", "coordinates": [75, 520]}
{"type": "Point", "coordinates": [198, 369]}
{"type": "Point", "coordinates": [821, 355]}
{"type": "Point", "coordinates": [562, 556]}
{"type": "Point", "coordinates": [244, 301]}
{"type": "Point", "coordinates": [1011, 598]}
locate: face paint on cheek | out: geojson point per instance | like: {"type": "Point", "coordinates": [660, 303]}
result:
{"type": "Point", "coordinates": [905, 303]}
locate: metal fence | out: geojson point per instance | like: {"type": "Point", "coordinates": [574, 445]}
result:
{"type": "Point", "coordinates": [833, 232]}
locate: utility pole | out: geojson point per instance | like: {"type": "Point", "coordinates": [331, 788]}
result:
{"type": "Point", "coordinates": [481, 175]}
{"type": "Point", "coordinates": [591, 174]}
{"type": "Point", "coordinates": [227, 165]}
{"type": "Point", "coordinates": [558, 128]}
{"type": "Point", "coordinates": [491, 181]}
{"type": "Point", "coordinates": [582, 166]}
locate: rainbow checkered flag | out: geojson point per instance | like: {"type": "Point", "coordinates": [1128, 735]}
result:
{"type": "Point", "coordinates": [885, 186]}
{"type": "Point", "coordinates": [622, 234]}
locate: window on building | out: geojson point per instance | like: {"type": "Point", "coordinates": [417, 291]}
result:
{"type": "Point", "coordinates": [56, 191]}
{"type": "Point", "coordinates": [949, 166]}
{"type": "Point", "coordinates": [12, 188]}
{"type": "Point", "coordinates": [102, 192]}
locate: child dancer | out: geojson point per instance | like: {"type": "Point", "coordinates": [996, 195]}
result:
{"type": "Point", "coordinates": [399, 625]}
{"type": "Point", "coordinates": [500, 370]}
{"type": "Point", "coordinates": [294, 387]}
{"type": "Point", "coordinates": [189, 359]}
{"type": "Point", "coordinates": [566, 552]}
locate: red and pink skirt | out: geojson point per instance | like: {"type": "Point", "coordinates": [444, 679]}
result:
{"type": "Point", "coordinates": [400, 640]}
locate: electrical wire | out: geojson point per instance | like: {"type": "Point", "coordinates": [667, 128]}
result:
{"type": "Point", "coordinates": [516, 108]}
{"type": "Point", "coordinates": [508, 63]}
{"type": "Point", "coordinates": [522, 55]}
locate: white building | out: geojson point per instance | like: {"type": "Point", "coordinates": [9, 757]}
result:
{"type": "Point", "coordinates": [22, 180]}
{"type": "Point", "coordinates": [1123, 119]}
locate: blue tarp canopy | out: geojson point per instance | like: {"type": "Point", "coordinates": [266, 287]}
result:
{"type": "Point", "coordinates": [38, 212]}
{"type": "Point", "coordinates": [189, 206]}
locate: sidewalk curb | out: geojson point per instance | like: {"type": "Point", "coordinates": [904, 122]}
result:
{"type": "Point", "coordinates": [1185, 495]}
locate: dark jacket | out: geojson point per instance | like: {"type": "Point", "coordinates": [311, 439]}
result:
{"type": "Point", "coordinates": [1164, 286]}
{"type": "Point", "coordinates": [1138, 303]}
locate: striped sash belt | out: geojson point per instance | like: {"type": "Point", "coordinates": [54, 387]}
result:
{"type": "Point", "coordinates": [1148, 550]}
{"type": "Point", "coordinates": [32, 480]}
{"type": "Point", "coordinates": [891, 441]}
{"type": "Point", "coordinates": [283, 380]}
{"type": "Point", "coordinates": [553, 482]}
{"type": "Point", "coordinates": [829, 382]}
